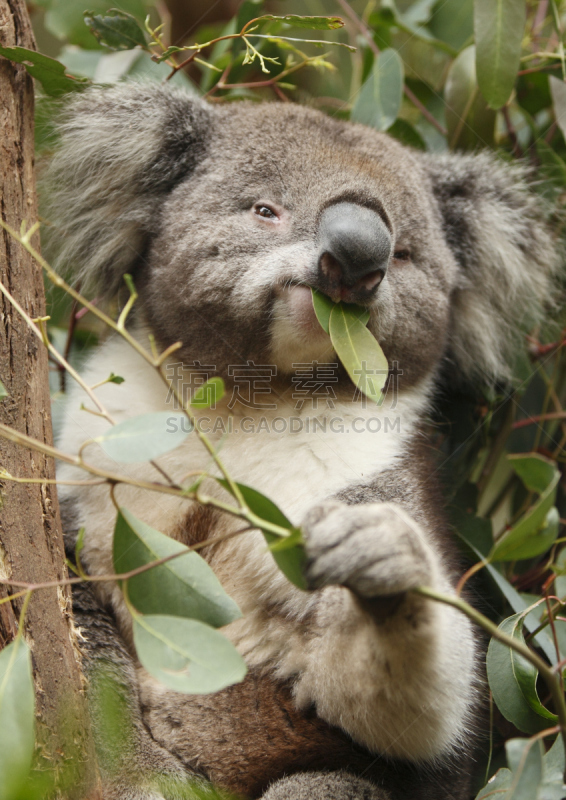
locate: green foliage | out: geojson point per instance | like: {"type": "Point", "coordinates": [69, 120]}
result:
{"type": "Point", "coordinates": [513, 680]}
{"type": "Point", "coordinates": [470, 122]}
{"type": "Point", "coordinates": [17, 717]}
{"type": "Point", "coordinates": [379, 101]}
{"type": "Point", "coordinates": [49, 72]}
{"type": "Point", "coordinates": [209, 394]}
{"type": "Point", "coordinates": [287, 551]}
{"type": "Point", "coordinates": [145, 437]}
{"type": "Point", "coordinates": [498, 28]}
{"type": "Point", "coordinates": [313, 23]}
{"type": "Point", "coordinates": [185, 586]}
{"type": "Point", "coordinates": [186, 655]}
{"type": "Point", "coordinates": [358, 350]}
{"type": "Point", "coordinates": [531, 774]}
{"type": "Point", "coordinates": [65, 18]}
{"type": "Point", "coordinates": [116, 30]}
{"type": "Point", "coordinates": [537, 529]}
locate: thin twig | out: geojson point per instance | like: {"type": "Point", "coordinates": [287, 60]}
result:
{"type": "Point", "coordinates": [523, 423]}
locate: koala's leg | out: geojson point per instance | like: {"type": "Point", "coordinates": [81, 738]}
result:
{"type": "Point", "coordinates": [324, 786]}
{"type": "Point", "coordinates": [132, 765]}
{"type": "Point", "coordinates": [394, 669]}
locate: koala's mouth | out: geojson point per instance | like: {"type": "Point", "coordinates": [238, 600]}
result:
{"type": "Point", "coordinates": [293, 300]}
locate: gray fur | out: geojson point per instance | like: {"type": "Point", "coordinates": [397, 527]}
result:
{"type": "Point", "coordinates": [324, 786]}
{"type": "Point", "coordinates": [497, 230]}
{"type": "Point", "coordinates": [374, 549]}
{"type": "Point", "coordinates": [149, 180]}
{"type": "Point", "coordinates": [120, 154]}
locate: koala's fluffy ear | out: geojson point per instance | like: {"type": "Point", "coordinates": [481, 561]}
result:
{"type": "Point", "coordinates": [498, 231]}
{"type": "Point", "coordinates": [121, 150]}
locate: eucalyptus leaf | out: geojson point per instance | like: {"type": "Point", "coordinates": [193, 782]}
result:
{"type": "Point", "coordinates": [512, 680]}
{"type": "Point", "coordinates": [524, 757]}
{"type": "Point", "coordinates": [537, 529]}
{"type": "Point", "coordinates": [3, 392]}
{"type": "Point", "coordinates": [359, 352]}
{"type": "Point", "coordinates": [312, 23]}
{"type": "Point", "coordinates": [553, 787]}
{"type": "Point", "coordinates": [379, 100]}
{"type": "Point", "coordinates": [185, 586]}
{"type": "Point", "coordinates": [17, 717]}
{"type": "Point", "coordinates": [469, 121]}
{"type": "Point", "coordinates": [322, 305]}
{"type": "Point", "coordinates": [288, 552]}
{"type": "Point", "coordinates": [186, 655]}
{"type": "Point", "coordinates": [145, 437]}
{"type": "Point", "coordinates": [496, 785]}
{"type": "Point", "coordinates": [554, 760]}
{"type": "Point", "coordinates": [559, 568]}
{"type": "Point", "coordinates": [50, 73]}
{"type": "Point", "coordinates": [498, 28]}
{"type": "Point", "coordinates": [65, 20]}
{"type": "Point", "coordinates": [452, 22]}
{"type": "Point", "coordinates": [208, 394]}
{"type": "Point", "coordinates": [116, 30]}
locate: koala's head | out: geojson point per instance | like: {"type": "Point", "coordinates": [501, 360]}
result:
{"type": "Point", "coordinates": [226, 215]}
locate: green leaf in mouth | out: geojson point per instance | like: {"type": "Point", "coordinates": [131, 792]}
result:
{"type": "Point", "coordinates": [358, 350]}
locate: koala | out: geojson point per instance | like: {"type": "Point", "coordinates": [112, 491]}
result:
{"type": "Point", "coordinates": [226, 216]}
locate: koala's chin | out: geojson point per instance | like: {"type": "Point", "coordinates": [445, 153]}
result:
{"type": "Point", "coordinates": [226, 217]}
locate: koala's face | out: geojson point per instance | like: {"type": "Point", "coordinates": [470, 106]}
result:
{"type": "Point", "coordinates": [286, 199]}
{"type": "Point", "coordinates": [226, 215]}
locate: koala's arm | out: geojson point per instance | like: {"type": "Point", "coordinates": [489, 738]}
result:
{"type": "Point", "coordinates": [396, 670]}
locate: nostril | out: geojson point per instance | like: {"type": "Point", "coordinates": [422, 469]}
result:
{"type": "Point", "coordinates": [370, 281]}
{"type": "Point", "coordinates": [330, 269]}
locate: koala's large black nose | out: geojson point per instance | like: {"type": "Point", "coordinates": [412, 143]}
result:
{"type": "Point", "coordinates": [355, 246]}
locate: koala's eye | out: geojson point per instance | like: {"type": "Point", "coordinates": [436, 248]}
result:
{"type": "Point", "coordinates": [265, 211]}
{"type": "Point", "coordinates": [402, 255]}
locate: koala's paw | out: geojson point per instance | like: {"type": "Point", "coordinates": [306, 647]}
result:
{"type": "Point", "coordinates": [376, 550]}
{"type": "Point", "coordinates": [324, 786]}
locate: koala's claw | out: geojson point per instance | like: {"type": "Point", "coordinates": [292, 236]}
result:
{"type": "Point", "coordinates": [376, 550]}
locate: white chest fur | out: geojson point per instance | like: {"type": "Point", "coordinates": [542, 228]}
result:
{"type": "Point", "coordinates": [296, 456]}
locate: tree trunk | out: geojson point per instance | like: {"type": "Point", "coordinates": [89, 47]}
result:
{"type": "Point", "coordinates": [31, 542]}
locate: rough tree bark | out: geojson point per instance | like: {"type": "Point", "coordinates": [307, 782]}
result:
{"type": "Point", "coordinates": [31, 542]}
